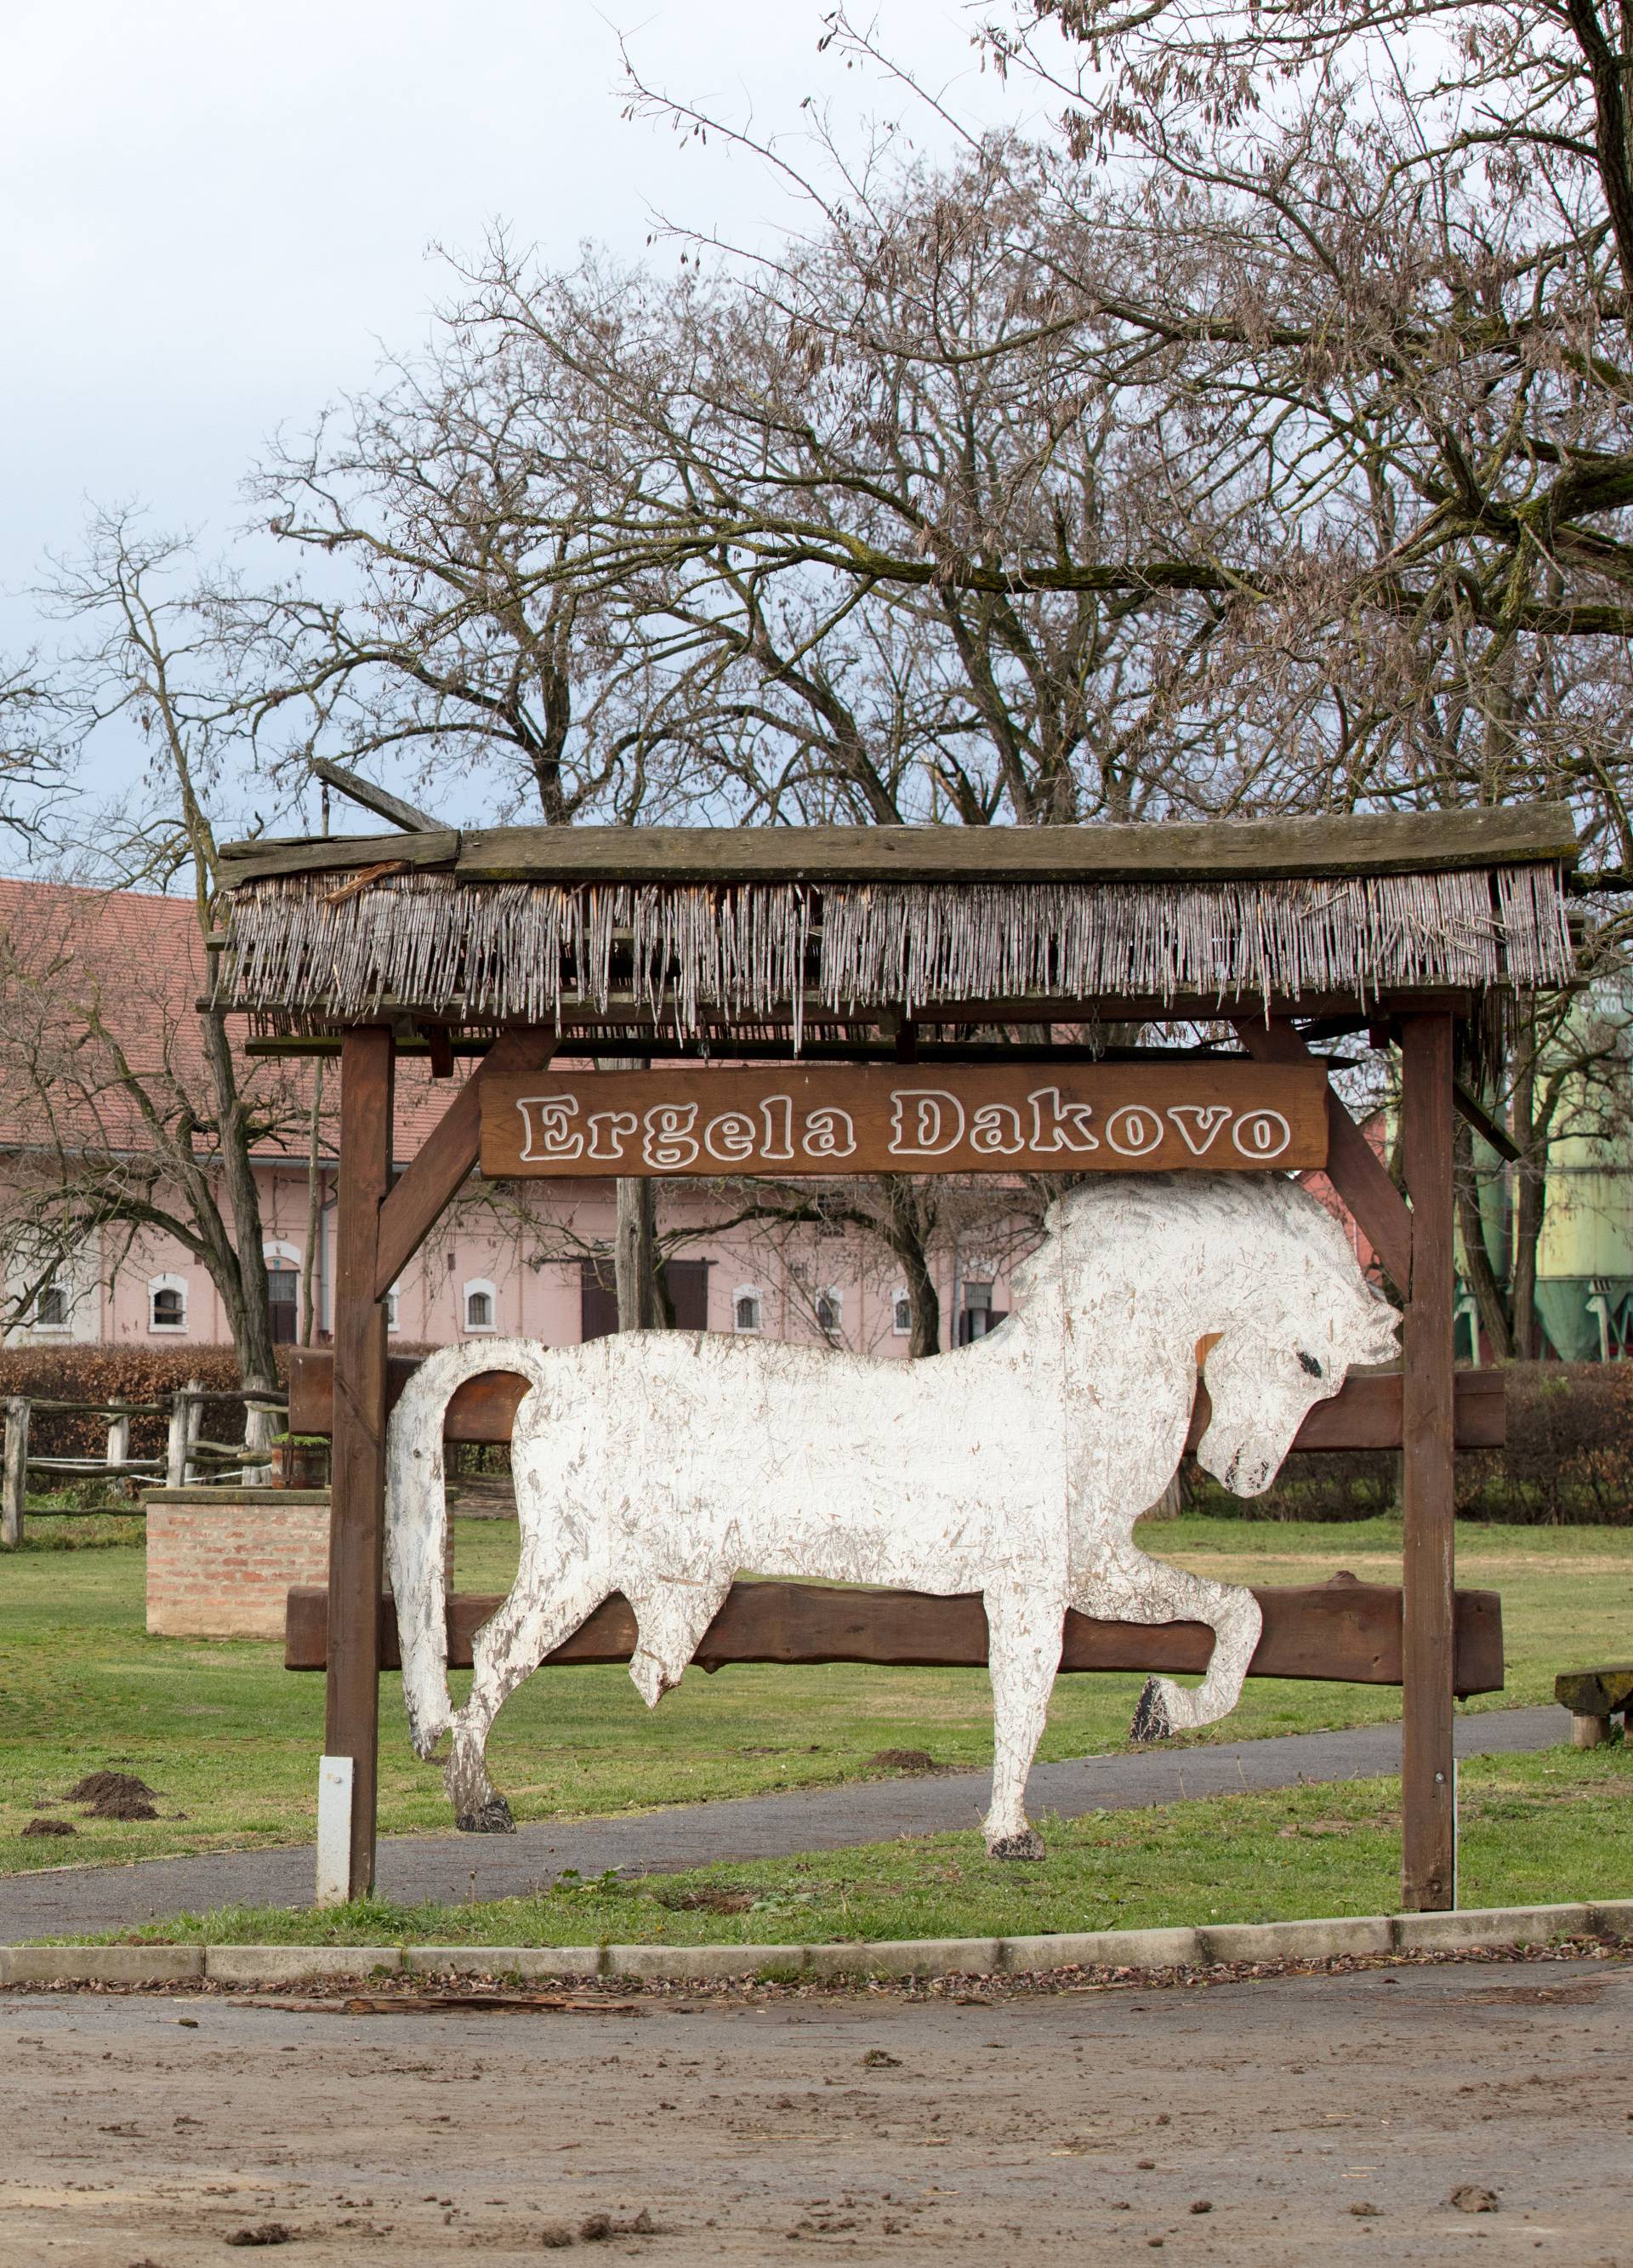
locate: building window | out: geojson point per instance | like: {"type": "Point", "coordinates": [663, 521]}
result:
{"type": "Point", "coordinates": [829, 1311]}
{"type": "Point", "coordinates": [746, 1308]}
{"type": "Point", "coordinates": [901, 1313]}
{"type": "Point", "coordinates": [51, 1308]}
{"type": "Point", "coordinates": [394, 1307]}
{"type": "Point", "coordinates": [167, 1303]}
{"type": "Point", "coordinates": [481, 1306]}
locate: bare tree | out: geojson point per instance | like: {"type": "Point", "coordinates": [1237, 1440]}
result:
{"type": "Point", "coordinates": [138, 1114]}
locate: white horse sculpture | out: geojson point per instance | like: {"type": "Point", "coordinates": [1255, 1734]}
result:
{"type": "Point", "coordinates": [662, 1464]}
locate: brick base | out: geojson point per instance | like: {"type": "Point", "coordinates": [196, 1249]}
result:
{"type": "Point", "coordinates": [219, 1561]}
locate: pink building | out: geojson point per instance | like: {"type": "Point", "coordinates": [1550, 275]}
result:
{"type": "Point", "coordinates": [523, 1258]}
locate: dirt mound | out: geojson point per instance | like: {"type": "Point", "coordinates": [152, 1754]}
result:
{"type": "Point", "coordinates": [50, 1826]}
{"type": "Point", "coordinates": [903, 1760]}
{"type": "Point", "coordinates": [97, 1786]}
{"type": "Point", "coordinates": [115, 1795]}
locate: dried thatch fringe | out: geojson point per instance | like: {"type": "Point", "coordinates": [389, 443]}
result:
{"type": "Point", "coordinates": [519, 952]}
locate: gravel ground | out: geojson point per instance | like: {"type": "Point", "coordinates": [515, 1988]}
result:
{"type": "Point", "coordinates": [1278, 2121]}
{"type": "Point", "coordinates": [57, 1901]}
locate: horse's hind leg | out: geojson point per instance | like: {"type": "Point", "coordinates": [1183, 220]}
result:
{"type": "Point", "coordinates": [1128, 1585]}
{"type": "Point", "coordinates": [533, 1622]}
{"type": "Point", "coordinates": [1024, 1633]}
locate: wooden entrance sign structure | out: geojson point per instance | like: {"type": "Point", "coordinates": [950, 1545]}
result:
{"type": "Point", "coordinates": [974, 991]}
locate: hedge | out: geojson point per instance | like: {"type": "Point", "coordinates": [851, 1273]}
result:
{"type": "Point", "coordinates": [1568, 1462]}
{"type": "Point", "coordinates": [124, 1374]}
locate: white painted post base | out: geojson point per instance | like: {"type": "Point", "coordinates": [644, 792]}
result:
{"type": "Point", "coordinates": [334, 1830]}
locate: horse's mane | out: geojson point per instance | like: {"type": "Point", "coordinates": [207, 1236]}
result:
{"type": "Point", "coordinates": [1098, 1215]}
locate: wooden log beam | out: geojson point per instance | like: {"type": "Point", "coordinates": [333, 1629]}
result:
{"type": "Point", "coordinates": [1341, 1629]}
{"type": "Point", "coordinates": [443, 1161]}
{"type": "Point", "coordinates": [1428, 1771]}
{"type": "Point", "coordinates": [1353, 1167]}
{"type": "Point", "coordinates": [1360, 842]}
{"type": "Point", "coordinates": [1365, 1414]}
{"type": "Point", "coordinates": [357, 1502]}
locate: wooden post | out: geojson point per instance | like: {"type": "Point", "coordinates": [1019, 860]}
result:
{"type": "Point", "coordinates": [1428, 1787]}
{"type": "Point", "coordinates": [187, 1417]}
{"type": "Point", "coordinates": [15, 1471]}
{"type": "Point", "coordinates": [357, 1485]}
{"type": "Point", "coordinates": [118, 1438]}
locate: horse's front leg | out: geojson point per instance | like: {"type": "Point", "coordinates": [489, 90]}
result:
{"type": "Point", "coordinates": [1125, 1585]}
{"type": "Point", "coordinates": [1025, 1629]}
{"type": "Point", "coordinates": [670, 1615]}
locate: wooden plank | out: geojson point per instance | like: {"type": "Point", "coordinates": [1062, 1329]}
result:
{"type": "Point", "coordinates": [357, 1517]}
{"type": "Point", "coordinates": [1365, 1414]}
{"type": "Point", "coordinates": [1231, 848]}
{"type": "Point", "coordinates": [379, 800]}
{"type": "Point", "coordinates": [1341, 1630]}
{"type": "Point", "coordinates": [1353, 1167]}
{"type": "Point", "coordinates": [448, 1155]}
{"type": "Point", "coordinates": [1428, 1786]}
{"type": "Point", "coordinates": [1390, 843]}
{"type": "Point", "coordinates": [260, 861]}
{"type": "Point", "coordinates": [870, 1119]}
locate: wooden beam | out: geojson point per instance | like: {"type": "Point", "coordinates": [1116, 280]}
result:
{"type": "Point", "coordinates": [377, 799]}
{"type": "Point", "coordinates": [1434, 842]}
{"type": "Point", "coordinates": [260, 860]}
{"type": "Point", "coordinates": [448, 1156]}
{"type": "Point", "coordinates": [1353, 1167]}
{"type": "Point", "coordinates": [1365, 1414]}
{"type": "Point", "coordinates": [1341, 1629]}
{"type": "Point", "coordinates": [1497, 1138]}
{"type": "Point", "coordinates": [357, 1516]}
{"type": "Point", "coordinates": [1428, 1786]}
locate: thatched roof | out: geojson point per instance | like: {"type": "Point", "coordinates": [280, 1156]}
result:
{"type": "Point", "coordinates": [681, 929]}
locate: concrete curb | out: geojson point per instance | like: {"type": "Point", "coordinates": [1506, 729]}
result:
{"type": "Point", "coordinates": [257, 1966]}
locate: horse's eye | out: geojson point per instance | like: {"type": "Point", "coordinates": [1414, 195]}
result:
{"type": "Point", "coordinates": [1310, 1365]}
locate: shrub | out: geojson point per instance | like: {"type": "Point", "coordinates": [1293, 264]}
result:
{"type": "Point", "coordinates": [1569, 1459]}
{"type": "Point", "coordinates": [115, 1374]}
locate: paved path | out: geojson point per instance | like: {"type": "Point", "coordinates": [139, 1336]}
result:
{"type": "Point", "coordinates": [457, 1866]}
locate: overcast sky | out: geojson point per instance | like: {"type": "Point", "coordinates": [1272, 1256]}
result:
{"type": "Point", "coordinates": [216, 214]}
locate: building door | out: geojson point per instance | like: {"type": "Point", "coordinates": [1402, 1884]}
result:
{"type": "Point", "coordinates": [283, 1302]}
{"type": "Point", "coordinates": [688, 1288]}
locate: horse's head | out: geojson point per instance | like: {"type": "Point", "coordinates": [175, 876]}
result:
{"type": "Point", "coordinates": [1299, 1316]}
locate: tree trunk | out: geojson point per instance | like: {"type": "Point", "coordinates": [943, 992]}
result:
{"type": "Point", "coordinates": [635, 1256]}
{"type": "Point", "coordinates": [1477, 1266]}
{"type": "Point", "coordinates": [1527, 1212]}
{"type": "Point", "coordinates": [907, 1223]}
{"type": "Point", "coordinates": [642, 1302]}
{"type": "Point", "coordinates": [245, 1294]}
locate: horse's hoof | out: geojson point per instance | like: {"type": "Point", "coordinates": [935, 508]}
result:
{"type": "Point", "coordinates": [1150, 1716]}
{"type": "Point", "coordinates": [492, 1818]}
{"type": "Point", "coordinates": [1027, 1844]}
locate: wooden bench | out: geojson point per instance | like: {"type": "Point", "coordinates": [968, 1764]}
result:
{"type": "Point", "coordinates": [1593, 1697]}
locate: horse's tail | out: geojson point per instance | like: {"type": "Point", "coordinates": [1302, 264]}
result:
{"type": "Point", "coordinates": [417, 1520]}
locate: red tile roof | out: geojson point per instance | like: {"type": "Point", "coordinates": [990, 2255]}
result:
{"type": "Point", "coordinates": [134, 963]}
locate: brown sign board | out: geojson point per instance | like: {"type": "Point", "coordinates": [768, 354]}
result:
{"type": "Point", "coordinates": [942, 1118]}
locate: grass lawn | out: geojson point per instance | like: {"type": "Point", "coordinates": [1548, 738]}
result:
{"type": "Point", "coordinates": [230, 1739]}
{"type": "Point", "coordinates": [1535, 1829]}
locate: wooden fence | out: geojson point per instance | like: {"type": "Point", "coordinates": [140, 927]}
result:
{"type": "Point", "coordinates": [188, 1456]}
